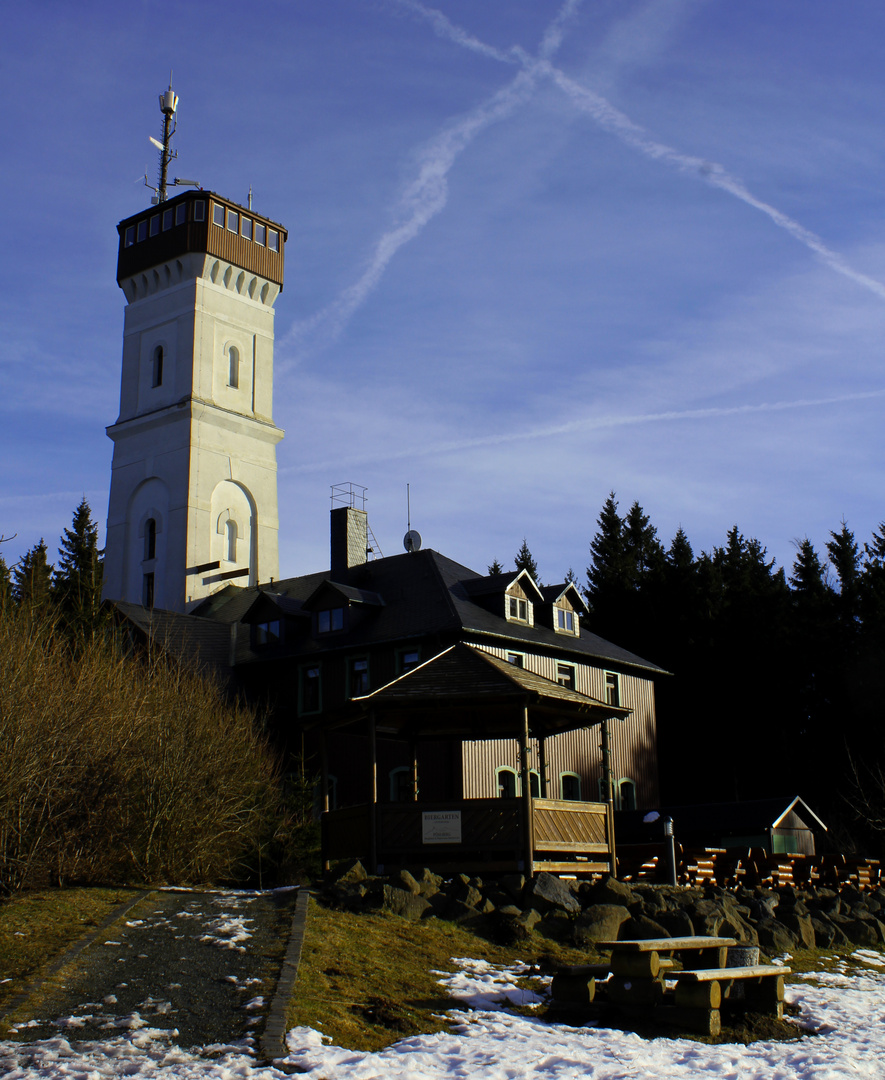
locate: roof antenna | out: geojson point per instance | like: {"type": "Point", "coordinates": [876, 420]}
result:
{"type": "Point", "coordinates": [412, 539]}
{"type": "Point", "coordinates": [250, 196]}
{"type": "Point", "coordinates": [168, 107]}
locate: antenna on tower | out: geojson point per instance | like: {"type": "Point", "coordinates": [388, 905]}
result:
{"type": "Point", "coordinates": [168, 107]}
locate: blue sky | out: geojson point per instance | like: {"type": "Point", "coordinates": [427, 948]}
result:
{"type": "Point", "coordinates": [537, 252]}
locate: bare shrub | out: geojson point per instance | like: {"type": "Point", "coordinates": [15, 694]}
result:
{"type": "Point", "coordinates": [119, 768]}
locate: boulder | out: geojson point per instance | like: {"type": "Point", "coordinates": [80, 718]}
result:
{"type": "Point", "coordinates": [642, 927]}
{"type": "Point", "coordinates": [547, 892]}
{"type": "Point", "coordinates": [349, 872]}
{"type": "Point", "coordinates": [612, 891]}
{"type": "Point", "coordinates": [775, 937]}
{"type": "Point", "coordinates": [600, 922]}
{"type": "Point", "coordinates": [801, 925]}
{"type": "Point", "coordinates": [407, 905]}
{"type": "Point", "coordinates": [707, 916]}
{"type": "Point", "coordinates": [404, 880]}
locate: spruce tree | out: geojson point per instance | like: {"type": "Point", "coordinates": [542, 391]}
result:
{"type": "Point", "coordinates": [606, 572]}
{"type": "Point", "coordinates": [5, 586]}
{"type": "Point", "coordinates": [77, 581]}
{"type": "Point", "coordinates": [495, 568]}
{"type": "Point", "coordinates": [525, 561]}
{"type": "Point", "coordinates": [844, 556]}
{"type": "Point", "coordinates": [32, 579]}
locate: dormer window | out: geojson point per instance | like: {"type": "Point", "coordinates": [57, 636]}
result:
{"type": "Point", "coordinates": [518, 610]}
{"type": "Point", "coordinates": [329, 620]}
{"type": "Point", "coordinates": [266, 633]}
{"type": "Point", "coordinates": [566, 621]}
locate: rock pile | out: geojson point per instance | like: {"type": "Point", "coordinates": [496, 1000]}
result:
{"type": "Point", "coordinates": [778, 920]}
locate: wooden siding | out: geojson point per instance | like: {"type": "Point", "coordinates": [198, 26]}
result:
{"type": "Point", "coordinates": [633, 741]}
{"type": "Point", "coordinates": [201, 237]}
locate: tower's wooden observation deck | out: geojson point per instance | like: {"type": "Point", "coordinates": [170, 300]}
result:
{"type": "Point", "coordinates": [201, 222]}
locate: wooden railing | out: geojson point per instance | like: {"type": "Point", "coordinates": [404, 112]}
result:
{"type": "Point", "coordinates": [568, 836]}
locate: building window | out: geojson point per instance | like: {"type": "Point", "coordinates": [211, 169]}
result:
{"type": "Point", "coordinates": [505, 782]}
{"type": "Point", "coordinates": [273, 240]}
{"type": "Point", "coordinates": [231, 540]}
{"type": "Point", "coordinates": [129, 237]}
{"type": "Point", "coordinates": [332, 619]}
{"type": "Point", "coordinates": [233, 376]}
{"type": "Point", "coordinates": [147, 591]}
{"type": "Point", "coordinates": [247, 228]}
{"type": "Point", "coordinates": [200, 210]}
{"type": "Point", "coordinates": [310, 689]}
{"type": "Point", "coordinates": [260, 233]}
{"type": "Point", "coordinates": [570, 787]}
{"type": "Point", "coordinates": [142, 230]}
{"type": "Point", "coordinates": [358, 677]}
{"type": "Point", "coordinates": [565, 675]}
{"type": "Point", "coordinates": [408, 659]}
{"type": "Point", "coordinates": [181, 212]}
{"type": "Point", "coordinates": [167, 220]}
{"type": "Point", "coordinates": [218, 215]}
{"type": "Point", "coordinates": [518, 610]}
{"type": "Point", "coordinates": [266, 633]}
{"type": "Point", "coordinates": [155, 224]}
{"type": "Point", "coordinates": [157, 367]}
{"type": "Point", "coordinates": [566, 622]}
{"type": "Point", "coordinates": [626, 795]}
{"type": "Point", "coordinates": [612, 688]}
{"type": "Point", "coordinates": [233, 221]}
{"type": "Point", "coordinates": [150, 539]}
{"type": "Point", "coordinates": [535, 784]}
{"type": "Point", "coordinates": [515, 658]}
{"type": "Point", "coordinates": [401, 784]}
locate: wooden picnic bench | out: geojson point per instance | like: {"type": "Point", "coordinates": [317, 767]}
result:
{"type": "Point", "coordinates": [641, 969]}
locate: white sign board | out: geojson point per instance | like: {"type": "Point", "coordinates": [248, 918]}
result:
{"type": "Point", "coordinates": [441, 826]}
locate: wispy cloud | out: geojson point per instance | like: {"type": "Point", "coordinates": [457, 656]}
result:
{"type": "Point", "coordinates": [587, 423]}
{"type": "Point", "coordinates": [427, 194]}
{"type": "Point", "coordinates": [617, 123]}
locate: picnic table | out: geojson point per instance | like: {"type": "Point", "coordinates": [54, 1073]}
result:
{"type": "Point", "coordinates": [640, 971]}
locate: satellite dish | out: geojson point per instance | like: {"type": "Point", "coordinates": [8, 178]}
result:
{"type": "Point", "coordinates": [412, 540]}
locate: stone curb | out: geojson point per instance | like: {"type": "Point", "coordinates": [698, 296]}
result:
{"type": "Point", "coordinates": [71, 953]}
{"type": "Point", "coordinates": [273, 1040]}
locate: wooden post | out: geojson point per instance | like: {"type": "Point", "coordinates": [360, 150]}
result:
{"type": "Point", "coordinates": [542, 766]}
{"type": "Point", "coordinates": [414, 745]}
{"type": "Point", "coordinates": [608, 791]}
{"type": "Point", "coordinates": [373, 792]}
{"type": "Point", "coordinates": [324, 780]}
{"type": "Point", "coordinates": [528, 817]}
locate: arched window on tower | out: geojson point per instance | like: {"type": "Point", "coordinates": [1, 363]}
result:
{"type": "Point", "coordinates": [150, 539]}
{"type": "Point", "coordinates": [157, 367]}
{"type": "Point", "coordinates": [234, 367]}
{"type": "Point", "coordinates": [231, 538]}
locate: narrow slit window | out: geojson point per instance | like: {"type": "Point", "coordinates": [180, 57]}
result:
{"type": "Point", "coordinates": [167, 220]}
{"type": "Point", "coordinates": [181, 213]}
{"type": "Point", "coordinates": [157, 367]}
{"type": "Point", "coordinates": [233, 356]}
{"type": "Point", "coordinates": [273, 239]}
{"type": "Point", "coordinates": [200, 210]}
{"type": "Point", "coordinates": [142, 230]}
{"type": "Point", "coordinates": [260, 233]}
{"type": "Point", "coordinates": [155, 224]}
{"type": "Point", "coordinates": [130, 236]}
{"type": "Point", "coordinates": [247, 228]}
{"type": "Point", "coordinates": [233, 221]}
{"type": "Point", "coordinates": [150, 539]}
{"type": "Point", "coordinates": [231, 538]}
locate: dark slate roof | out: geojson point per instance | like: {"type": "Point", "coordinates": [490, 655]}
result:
{"type": "Point", "coordinates": [202, 640]}
{"type": "Point", "coordinates": [552, 593]}
{"type": "Point", "coordinates": [424, 595]}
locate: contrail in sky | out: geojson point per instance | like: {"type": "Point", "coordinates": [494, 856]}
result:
{"type": "Point", "coordinates": [428, 193]}
{"type": "Point", "coordinates": [588, 423]}
{"type": "Point", "coordinates": [631, 134]}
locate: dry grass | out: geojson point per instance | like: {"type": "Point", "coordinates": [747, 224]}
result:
{"type": "Point", "coordinates": [366, 980]}
{"type": "Point", "coordinates": [36, 927]}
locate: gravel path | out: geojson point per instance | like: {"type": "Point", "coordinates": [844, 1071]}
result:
{"type": "Point", "coordinates": [197, 968]}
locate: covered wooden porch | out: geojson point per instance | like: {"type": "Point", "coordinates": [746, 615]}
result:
{"type": "Point", "coordinates": [467, 694]}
